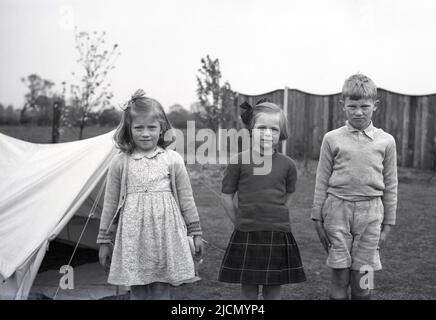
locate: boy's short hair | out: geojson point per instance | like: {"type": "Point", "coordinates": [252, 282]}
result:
{"type": "Point", "coordinates": [359, 86]}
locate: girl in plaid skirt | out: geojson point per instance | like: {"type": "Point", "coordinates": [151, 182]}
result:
{"type": "Point", "coordinates": [262, 251]}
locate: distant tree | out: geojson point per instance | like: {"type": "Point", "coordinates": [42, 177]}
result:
{"type": "Point", "coordinates": [109, 117]}
{"type": "Point", "coordinates": [11, 116]}
{"type": "Point", "coordinates": [44, 110]}
{"type": "Point", "coordinates": [230, 114]}
{"type": "Point", "coordinates": [2, 114]}
{"type": "Point", "coordinates": [39, 92]}
{"type": "Point", "coordinates": [179, 116]}
{"type": "Point", "coordinates": [177, 108]}
{"type": "Point", "coordinates": [196, 109]}
{"type": "Point", "coordinates": [92, 93]}
{"type": "Point", "coordinates": [211, 95]}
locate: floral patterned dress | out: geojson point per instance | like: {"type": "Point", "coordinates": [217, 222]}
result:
{"type": "Point", "coordinates": [151, 244]}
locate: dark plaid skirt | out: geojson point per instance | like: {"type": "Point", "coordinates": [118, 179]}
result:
{"type": "Point", "coordinates": [262, 257]}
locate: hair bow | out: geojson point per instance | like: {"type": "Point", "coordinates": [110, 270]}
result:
{"type": "Point", "coordinates": [138, 94]}
{"type": "Point", "coordinates": [135, 96]}
{"type": "Point", "coordinates": [247, 114]}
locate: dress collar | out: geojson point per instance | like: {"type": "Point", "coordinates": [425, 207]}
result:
{"type": "Point", "coordinates": [137, 155]}
{"type": "Point", "coordinates": [369, 131]}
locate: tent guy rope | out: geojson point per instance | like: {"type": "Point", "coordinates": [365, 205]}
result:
{"type": "Point", "coordinates": [90, 215]}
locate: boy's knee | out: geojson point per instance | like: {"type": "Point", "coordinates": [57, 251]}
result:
{"type": "Point", "coordinates": [358, 290]}
{"type": "Point", "coordinates": [340, 283]}
{"type": "Point", "coordinates": [339, 292]}
{"type": "Point", "coordinates": [341, 277]}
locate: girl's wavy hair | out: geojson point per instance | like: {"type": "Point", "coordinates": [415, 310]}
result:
{"type": "Point", "coordinates": [140, 105]}
{"type": "Point", "coordinates": [250, 115]}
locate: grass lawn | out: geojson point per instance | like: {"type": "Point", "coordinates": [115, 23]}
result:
{"type": "Point", "coordinates": [408, 257]}
{"type": "Point", "coordinates": [43, 134]}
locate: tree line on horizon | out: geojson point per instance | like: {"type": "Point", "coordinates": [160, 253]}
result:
{"type": "Point", "coordinates": [87, 101]}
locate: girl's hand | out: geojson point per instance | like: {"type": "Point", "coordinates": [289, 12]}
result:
{"type": "Point", "coordinates": [386, 228]}
{"type": "Point", "coordinates": [322, 235]}
{"type": "Point", "coordinates": [104, 256]}
{"type": "Point", "coordinates": [199, 247]}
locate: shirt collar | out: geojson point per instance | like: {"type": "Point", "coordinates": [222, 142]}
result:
{"type": "Point", "coordinates": [369, 131]}
{"type": "Point", "coordinates": [137, 155]}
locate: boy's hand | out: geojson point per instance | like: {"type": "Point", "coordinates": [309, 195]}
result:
{"type": "Point", "coordinates": [104, 256]}
{"type": "Point", "coordinates": [199, 247]}
{"type": "Point", "coordinates": [386, 228]}
{"type": "Point", "coordinates": [322, 235]}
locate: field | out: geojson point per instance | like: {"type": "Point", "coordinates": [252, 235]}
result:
{"type": "Point", "coordinates": [43, 134]}
{"type": "Point", "coordinates": [408, 256]}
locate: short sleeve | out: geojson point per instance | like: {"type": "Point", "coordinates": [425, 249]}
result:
{"type": "Point", "coordinates": [291, 178]}
{"type": "Point", "coordinates": [231, 179]}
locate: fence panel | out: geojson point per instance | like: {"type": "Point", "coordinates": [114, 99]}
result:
{"type": "Point", "coordinates": [410, 119]}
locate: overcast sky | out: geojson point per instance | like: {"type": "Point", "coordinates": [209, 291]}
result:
{"type": "Point", "coordinates": [262, 45]}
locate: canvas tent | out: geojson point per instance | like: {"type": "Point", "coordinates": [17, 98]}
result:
{"type": "Point", "coordinates": [44, 188]}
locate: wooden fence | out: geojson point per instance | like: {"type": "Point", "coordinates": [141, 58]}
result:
{"type": "Point", "coordinates": [410, 119]}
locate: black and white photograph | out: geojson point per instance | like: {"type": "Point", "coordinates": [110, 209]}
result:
{"type": "Point", "coordinates": [230, 151]}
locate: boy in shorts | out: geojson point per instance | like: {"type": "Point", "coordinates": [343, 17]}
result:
{"type": "Point", "coordinates": [355, 196]}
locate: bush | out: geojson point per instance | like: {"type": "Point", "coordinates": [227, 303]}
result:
{"type": "Point", "coordinates": [9, 116]}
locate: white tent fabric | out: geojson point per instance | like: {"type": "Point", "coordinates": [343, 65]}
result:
{"type": "Point", "coordinates": [42, 186]}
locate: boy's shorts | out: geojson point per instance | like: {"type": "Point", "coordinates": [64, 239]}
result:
{"type": "Point", "coordinates": [353, 229]}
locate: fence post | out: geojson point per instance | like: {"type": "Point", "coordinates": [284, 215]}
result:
{"type": "Point", "coordinates": [285, 111]}
{"type": "Point", "coordinates": [57, 110]}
